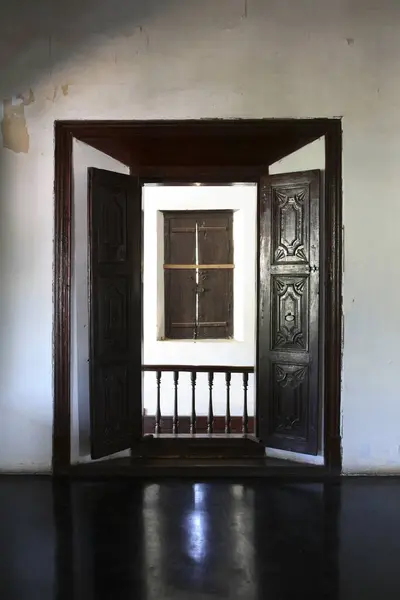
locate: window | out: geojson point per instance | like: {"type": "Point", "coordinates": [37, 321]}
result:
{"type": "Point", "coordinates": [198, 270]}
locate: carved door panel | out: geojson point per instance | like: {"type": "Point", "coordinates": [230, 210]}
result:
{"type": "Point", "coordinates": [288, 327]}
{"type": "Point", "coordinates": [115, 311]}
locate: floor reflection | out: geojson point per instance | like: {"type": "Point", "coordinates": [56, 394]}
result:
{"type": "Point", "coordinates": [202, 540]}
{"type": "Point", "coordinates": [206, 532]}
{"type": "Point", "coordinates": [170, 540]}
{"type": "Point", "coordinates": [196, 528]}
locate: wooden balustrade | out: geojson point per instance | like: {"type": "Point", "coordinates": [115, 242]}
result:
{"type": "Point", "coordinates": [193, 424]}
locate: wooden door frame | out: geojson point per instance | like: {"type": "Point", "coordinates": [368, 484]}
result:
{"type": "Point", "coordinates": [303, 130]}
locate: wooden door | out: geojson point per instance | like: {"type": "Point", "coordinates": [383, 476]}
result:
{"type": "Point", "coordinates": [115, 311]}
{"type": "Point", "coordinates": [288, 321]}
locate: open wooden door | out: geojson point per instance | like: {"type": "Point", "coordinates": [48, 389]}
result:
{"type": "Point", "coordinates": [288, 322]}
{"type": "Point", "coordinates": [114, 311]}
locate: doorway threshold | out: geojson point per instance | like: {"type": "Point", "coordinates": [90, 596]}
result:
{"type": "Point", "coordinates": [194, 468]}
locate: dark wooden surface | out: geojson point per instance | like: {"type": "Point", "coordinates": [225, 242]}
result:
{"type": "Point", "coordinates": [180, 285]}
{"type": "Point", "coordinates": [212, 233]}
{"type": "Point", "coordinates": [200, 468]}
{"type": "Point", "coordinates": [157, 424]}
{"type": "Point", "coordinates": [180, 304]}
{"type": "Point", "coordinates": [193, 422]}
{"type": "Point", "coordinates": [180, 237]}
{"type": "Point", "coordinates": [114, 303]}
{"type": "Point", "coordinates": [270, 140]}
{"type": "Point", "coordinates": [62, 298]}
{"type": "Point", "coordinates": [200, 446]}
{"type": "Point", "coordinates": [210, 416]}
{"type": "Point", "coordinates": [215, 291]}
{"type": "Point", "coordinates": [288, 332]}
{"type": "Point", "coordinates": [216, 302]}
{"type": "Point", "coordinates": [215, 237]}
{"type": "Point", "coordinates": [203, 143]}
{"type": "Point", "coordinates": [333, 253]}
{"type": "Point", "coordinates": [173, 539]}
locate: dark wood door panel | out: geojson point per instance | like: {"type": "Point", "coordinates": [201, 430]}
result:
{"type": "Point", "coordinates": [112, 333]}
{"type": "Point", "coordinates": [288, 336]}
{"type": "Point", "coordinates": [115, 311]}
{"type": "Point", "coordinates": [290, 318]}
{"type": "Point", "coordinates": [289, 407]}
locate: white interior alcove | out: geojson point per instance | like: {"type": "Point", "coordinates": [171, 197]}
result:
{"type": "Point", "coordinates": [239, 351]}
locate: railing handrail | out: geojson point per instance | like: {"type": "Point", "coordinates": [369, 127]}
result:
{"type": "Point", "coordinates": [198, 369]}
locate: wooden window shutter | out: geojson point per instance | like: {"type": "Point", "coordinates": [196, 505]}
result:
{"type": "Point", "coordinates": [198, 274]}
{"type": "Point", "coordinates": [180, 284]}
{"type": "Point", "coordinates": [114, 222]}
{"type": "Point", "coordinates": [215, 290]}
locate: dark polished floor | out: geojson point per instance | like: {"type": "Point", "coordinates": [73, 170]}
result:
{"type": "Point", "coordinates": [183, 540]}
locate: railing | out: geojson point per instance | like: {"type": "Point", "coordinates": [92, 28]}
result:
{"type": "Point", "coordinates": [212, 424]}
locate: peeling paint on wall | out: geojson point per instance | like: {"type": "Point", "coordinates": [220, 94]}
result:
{"type": "Point", "coordinates": [13, 126]}
{"type": "Point", "coordinates": [56, 92]}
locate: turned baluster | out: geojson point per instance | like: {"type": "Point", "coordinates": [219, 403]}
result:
{"type": "Point", "coordinates": [157, 429]}
{"type": "Point", "coordinates": [245, 421]}
{"type": "Point", "coordinates": [210, 418]}
{"type": "Point", "coordinates": [175, 419]}
{"type": "Point", "coordinates": [193, 377]}
{"type": "Point", "coordinates": [228, 403]}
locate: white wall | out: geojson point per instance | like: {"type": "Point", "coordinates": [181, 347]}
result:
{"type": "Point", "coordinates": [307, 158]}
{"type": "Point", "coordinates": [228, 59]}
{"type": "Point", "coordinates": [239, 351]}
{"type": "Point", "coordinates": [84, 156]}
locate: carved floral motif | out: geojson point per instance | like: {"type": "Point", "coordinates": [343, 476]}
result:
{"type": "Point", "coordinates": [290, 234]}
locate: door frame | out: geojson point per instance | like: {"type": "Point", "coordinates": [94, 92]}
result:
{"type": "Point", "coordinates": [247, 134]}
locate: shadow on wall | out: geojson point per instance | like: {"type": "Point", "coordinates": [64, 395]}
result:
{"type": "Point", "coordinates": [37, 40]}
